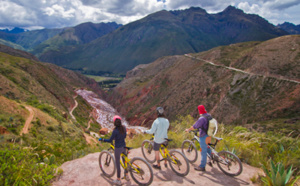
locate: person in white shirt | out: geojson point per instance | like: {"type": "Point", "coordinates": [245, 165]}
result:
{"type": "Point", "coordinates": [159, 128]}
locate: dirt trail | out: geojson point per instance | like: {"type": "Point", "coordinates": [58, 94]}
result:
{"type": "Point", "coordinates": [28, 121]}
{"type": "Point", "coordinates": [85, 171]}
{"type": "Point", "coordinates": [75, 106]}
{"type": "Point", "coordinates": [239, 70]}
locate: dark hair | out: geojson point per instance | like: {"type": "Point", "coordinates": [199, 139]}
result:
{"type": "Point", "coordinates": [119, 126]}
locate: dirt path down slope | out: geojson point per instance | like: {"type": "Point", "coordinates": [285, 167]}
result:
{"type": "Point", "coordinates": [85, 171]}
{"type": "Point", "coordinates": [28, 120]}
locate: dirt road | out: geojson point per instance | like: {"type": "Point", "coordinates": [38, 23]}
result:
{"type": "Point", "coordinates": [85, 171]}
{"type": "Point", "coordinates": [28, 121]}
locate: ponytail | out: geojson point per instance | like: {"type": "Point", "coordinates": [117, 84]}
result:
{"type": "Point", "coordinates": [119, 126]}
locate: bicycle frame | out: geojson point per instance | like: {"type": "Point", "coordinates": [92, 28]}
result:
{"type": "Point", "coordinates": [211, 146]}
{"type": "Point", "coordinates": [165, 152]}
{"type": "Point", "coordinates": [125, 159]}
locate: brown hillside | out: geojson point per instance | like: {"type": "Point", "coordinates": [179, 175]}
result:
{"type": "Point", "coordinates": [252, 91]}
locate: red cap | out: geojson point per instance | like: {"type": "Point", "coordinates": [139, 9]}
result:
{"type": "Point", "coordinates": [201, 109]}
{"type": "Point", "coordinates": [117, 117]}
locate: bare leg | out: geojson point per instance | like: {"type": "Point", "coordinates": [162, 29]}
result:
{"type": "Point", "coordinates": [157, 157]}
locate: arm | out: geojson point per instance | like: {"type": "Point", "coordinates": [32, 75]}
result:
{"type": "Point", "coordinates": [153, 129]}
{"type": "Point", "coordinates": [112, 137]}
{"type": "Point", "coordinates": [189, 129]}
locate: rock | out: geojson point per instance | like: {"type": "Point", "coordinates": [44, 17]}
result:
{"type": "Point", "coordinates": [3, 130]}
{"type": "Point", "coordinates": [103, 131]}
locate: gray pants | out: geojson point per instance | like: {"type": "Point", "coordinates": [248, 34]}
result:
{"type": "Point", "coordinates": [118, 152]}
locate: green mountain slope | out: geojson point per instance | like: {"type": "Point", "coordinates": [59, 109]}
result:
{"type": "Point", "coordinates": [160, 34]}
{"type": "Point", "coordinates": [80, 34]}
{"type": "Point", "coordinates": [240, 83]}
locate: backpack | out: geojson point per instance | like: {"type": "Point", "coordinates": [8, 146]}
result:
{"type": "Point", "coordinates": [212, 126]}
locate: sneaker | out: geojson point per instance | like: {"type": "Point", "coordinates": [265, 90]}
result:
{"type": "Point", "coordinates": [166, 165]}
{"type": "Point", "coordinates": [200, 169]}
{"type": "Point", "coordinates": [156, 167]}
{"type": "Point", "coordinates": [126, 178]}
{"type": "Point", "coordinates": [117, 182]}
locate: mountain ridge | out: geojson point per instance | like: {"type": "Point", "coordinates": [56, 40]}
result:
{"type": "Point", "coordinates": [180, 83]}
{"type": "Point", "coordinates": [164, 33]}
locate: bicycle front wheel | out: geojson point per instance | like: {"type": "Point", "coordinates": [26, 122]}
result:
{"type": "Point", "coordinates": [229, 163]}
{"type": "Point", "coordinates": [189, 149]}
{"type": "Point", "coordinates": [107, 163]}
{"type": "Point", "coordinates": [141, 171]}
{"type": "Point", "coordinates": [148, 152]}
{"type": "Point", "coordinates": [179, 163]}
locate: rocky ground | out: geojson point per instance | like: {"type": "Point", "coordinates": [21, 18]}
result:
{"type": "Point", "coordinates": [86, 171]}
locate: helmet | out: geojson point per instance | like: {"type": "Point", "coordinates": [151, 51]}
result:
{"type": "Point", "coordinates": [160, 110]}
{"type": "Point", "coordinates": [117, 117]}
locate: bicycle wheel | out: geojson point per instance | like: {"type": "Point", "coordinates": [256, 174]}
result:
{"type": "Point", "coordinates": [189, 149]}
{"type": "Point", "coordinates": [229, 163]}
{"type": "Point", "coordinates": [179, 163]}
{"type": "Point", "coordinates": [107, 163]}
{"type": "Point", "coordinates": [148, 152]}
{"type": "Point", "coordinates": [141, 171]}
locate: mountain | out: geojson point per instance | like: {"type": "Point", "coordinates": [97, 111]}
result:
{"type": "Point", "coordinates": [28, 40]}
{"type": "Point", "coordinates": [290, 28]}
{"type": "Point", "coordinates": [239, 83]}
{"type": "Point", "coordinates": [46, 87]}
{"type": "Point", "coordinates": [163, 33]}
{"type": "Point", "coordinates": [80, 34]}
{"type": "Point", "coordinates": [15, 30]}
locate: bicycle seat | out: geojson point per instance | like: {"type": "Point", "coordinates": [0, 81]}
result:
{"type": "Point", "coordinates": [128, 148]}
{"type": "Point", "coordinates": [168, 139]}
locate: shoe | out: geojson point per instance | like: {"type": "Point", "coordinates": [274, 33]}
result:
{"type": "Point", "coordinates": [200, 169]}
{"type": "Point", "coordinates": [156, 167]}
{"type": "Point", "coordinates": [166, 165]}
{"type": "Point", "coordinates": [117, 182]}
{"type": "Point", "coordinates": [210, 164]}
{"type": "Point", "coordinates": [126, 178]}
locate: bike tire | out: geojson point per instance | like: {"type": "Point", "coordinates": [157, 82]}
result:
{"type": "Point", "coordinates": [144, 175]}
{"type": "Point", "coordinates": [229, 163]}
{"type": "Point", "coordinates": [181, 162]}
{"type": "Point", "coordinates": [107, 163]}
{"type": "Point", "coordinates": [188, 148]}
{"type": "Point", "coordinates": [148, 151]}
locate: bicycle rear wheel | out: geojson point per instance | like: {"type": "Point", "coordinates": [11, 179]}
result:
{"type": "Point", "coordinates": [148, 152]}
{"type": "Point", "coordinates": [189, 149]}
{"type": "Point", "coordinates": [107, 163]}
{"type": "Point", "coordinates": [229, 163]}
{"type": "Point", "coordinates": [141, 171]}
{"type": "Point", "coordinates": [179, 163]}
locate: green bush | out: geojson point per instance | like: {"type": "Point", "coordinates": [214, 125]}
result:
{"type": "Point", "coordinates": [20, 166]}
{"type": "Point", "coordinates": [277, 175]}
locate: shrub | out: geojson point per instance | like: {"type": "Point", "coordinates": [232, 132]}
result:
{"type": "Point", "coordinates": [278, 175]}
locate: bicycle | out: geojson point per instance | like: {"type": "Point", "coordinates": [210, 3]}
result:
{"type": "Point", "coordinates": [140, 170]}
{"type": "Point", "coordinates": [177, 161]}
{"type": "Point", "coordinates": [227, 162]}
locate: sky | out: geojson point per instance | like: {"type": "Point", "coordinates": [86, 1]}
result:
{"type": "Point", "coordinates": [37, 14]}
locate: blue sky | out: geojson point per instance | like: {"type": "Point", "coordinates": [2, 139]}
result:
{"type": "Point", "coordinates": [34, 14]}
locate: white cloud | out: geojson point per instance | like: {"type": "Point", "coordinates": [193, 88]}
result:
{"type": "Point", "coordinates": [62, 13]}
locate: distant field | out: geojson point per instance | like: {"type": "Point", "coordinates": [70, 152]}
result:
{"type": "Point", "coordinates": [103, 78]}
{"type": "Point", "coordinates": [106, 83]}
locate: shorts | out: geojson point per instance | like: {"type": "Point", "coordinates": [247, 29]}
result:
{"type": "Point", "coordinates": [156, 146]}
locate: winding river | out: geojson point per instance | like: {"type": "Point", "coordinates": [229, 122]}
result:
{"type": "Point", "coordinates": [104, 111]}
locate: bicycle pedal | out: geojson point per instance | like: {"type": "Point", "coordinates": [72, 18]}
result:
{"type": "Point", "coordinates": [210, 164]}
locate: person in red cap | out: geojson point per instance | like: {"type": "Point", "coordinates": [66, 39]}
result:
{"type": "Point", "coordinates": [119, 135]}
{"type": "Point", "coordinates": [202, 125]}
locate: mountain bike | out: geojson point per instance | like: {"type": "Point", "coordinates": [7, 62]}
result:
{"type": "Point", "coordinates": [177, 161]}
{"type": "Point", "coordinates": [228, 162]}
{"type": "Point", "coordinates": [140, 170]}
